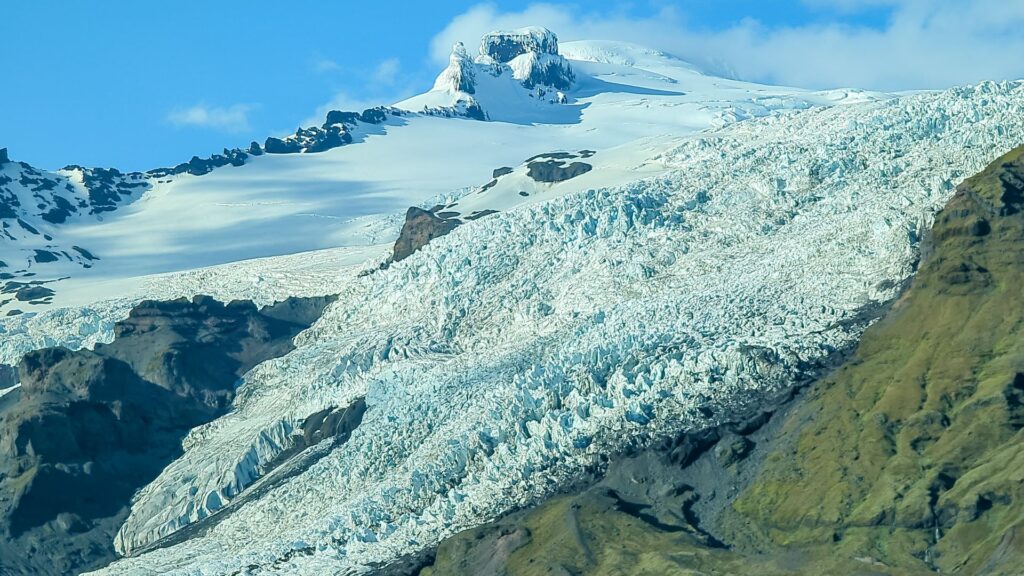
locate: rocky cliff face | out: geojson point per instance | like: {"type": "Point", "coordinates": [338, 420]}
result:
{"type": "Point", "coordinates": [505, 45]}
{"type": "Point", "coordinates": [904, 460]}
{"type": "Point", "coordinates": [88, 428]}
{"type": "Point", "coordinates": [528, 55]}
{"type": "Point", "coordinates": [531, 54]}
{"type": "Point", "coordinates": [420, 227]}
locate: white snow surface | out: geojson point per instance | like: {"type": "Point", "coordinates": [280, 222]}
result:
{"type": "Point", "coordinates": [262, 280]}
{"type": "Point", "coordinates": [627, 103]}
{"type": "Point", "coordinates": [503, 359]}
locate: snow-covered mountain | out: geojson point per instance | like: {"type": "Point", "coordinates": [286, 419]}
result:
{"type": "Point", "coordinates": [342, 183]}
{"type": "Point", "coordinates": [635, 248]}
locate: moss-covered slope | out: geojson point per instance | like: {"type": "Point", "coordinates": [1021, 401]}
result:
{"type": "Point", "coordinates": [908, 459]}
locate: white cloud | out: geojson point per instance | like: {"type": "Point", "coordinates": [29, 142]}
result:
{"type": "Point", "coordinates": [233, 118]}
{"type": "Point", "coordinates": [925, 43]}
{"type": "Point", "coordinates": [322, 65]}
{"type": "Point", "coordinates": [853, 5]}
{"type": "Point", "coordinates": [384, 85]}
{"type": "Point", "coordinates": [387, 71]}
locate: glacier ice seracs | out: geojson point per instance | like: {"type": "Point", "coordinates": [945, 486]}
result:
{"type": "Point", "coordinates": [625, 102]}
{"type": "Point", "coordinates": [503, 359]}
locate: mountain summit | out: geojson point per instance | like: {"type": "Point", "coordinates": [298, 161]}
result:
{"type": "Point", "coordinates": [527, 56]}
{"type": "Point", "coordinates": [530, 53]}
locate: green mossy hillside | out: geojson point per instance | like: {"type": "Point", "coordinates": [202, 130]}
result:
{"type": "Point", "coordinates": [912, 453]}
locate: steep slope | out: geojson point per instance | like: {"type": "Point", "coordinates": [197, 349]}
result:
{"type": "Point", "coordinates": [86, 429]}
{"type": "Point", "coordinates": [508, 358]}
{"type": "Point", "coordinates": [906, 460]}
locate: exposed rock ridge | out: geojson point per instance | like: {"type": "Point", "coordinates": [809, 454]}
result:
{"type": "Point", "coordinates": [529, 55]}
{"type": "Point", "coordinates": [420, 227]}
{"type": "Point", "coordinates": [35, 204]}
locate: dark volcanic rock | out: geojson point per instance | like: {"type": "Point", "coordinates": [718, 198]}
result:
{"type": "Point", "coordinates": [108, 187]}
{"type": "Point", "coordinates": [3, 156]}
{"type": "Point", "coordinates": [60, 212]}
{"type": "Point", "coordinates": [27, 227]}
{"type": "Point", "coordinates": [552, 156]}
{"type": "Point", "coordinates": [90, 427]}
{"type": "Point", "coordinates": [8, 376]}
{"type": "Point", "coordinates": [279, 146]}
{"type": "Point", "coordinates": [85, 253]}
{"type": "Point", "coordinates": [341, 117]}
{"type": "Point", "coordinates": [474, 112]}
{"type": "Point", "coordinates": [373, 115]}
{"type": "Point", "coordinates": [480, 214]}
{"type": "Point", "coordinates": [545, 66]}
{"type": "Point", "coordinates": [29, 293]}
{"type": "Point", "coordinates": [42, 256]}
{"type": "Point", "coordinates": [421, 226]}
{"type": "Point", "coordinates": [504, 46]}
{"type": "Point", "coordinates": [556, 170]}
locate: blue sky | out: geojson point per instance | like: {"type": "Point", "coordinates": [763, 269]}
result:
{"type": "Point", "coordinates": [137, 85]}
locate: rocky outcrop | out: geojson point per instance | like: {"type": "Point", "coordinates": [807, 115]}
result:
{"type": "Point", "coordinates": [532, 56]}
{"type": "Point", "coordinates": [420, 227]}
{"type": "Point", "coordinates": [464, 107]}
{"type": "Point", "coordinates": [336, 131]}
{"type": "Point", "coordinates": [503, 46]}
{"type": "Point", "coordinates": [90, 427]}
{"type": "Point", "coordinates": [55, 198]}
{"type": "Point", "coordinates": [8, 376]}
{"type": "Point", "coordinates": [529, 55]}
{"type": "Point", "coordinates": [551, 171]}
{"type": "Point", "coordinates": [903, 460]}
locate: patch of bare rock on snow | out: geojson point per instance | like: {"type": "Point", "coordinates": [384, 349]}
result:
{"type": "Point", "coordinates": [504, 359]}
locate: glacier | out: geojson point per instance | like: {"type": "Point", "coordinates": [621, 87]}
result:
{"type": "Point", "coordinates": [501, 362]}
{"type": "Point", "coordinates": [216, 211]}
{"type": "Point", "coordinates": [347, 201]}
